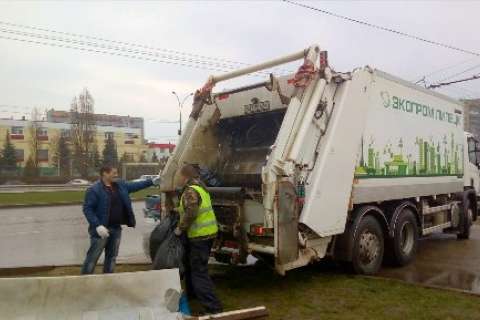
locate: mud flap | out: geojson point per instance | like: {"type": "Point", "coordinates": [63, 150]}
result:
{"type": "Point", "coordinates": [287, 223]}
{"type": "Point", "coordinates": [148, 295]}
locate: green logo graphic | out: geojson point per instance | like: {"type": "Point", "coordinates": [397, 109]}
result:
{"type": "Point", "coordinates": [433, 157]}
{"type": "Point", "coordinates": [385, 98]}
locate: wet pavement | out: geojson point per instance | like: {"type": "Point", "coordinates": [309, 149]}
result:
{"type": "Point", "coordinates": [52, 236]}
{"type": "Point", "coordinates": [444, 261]}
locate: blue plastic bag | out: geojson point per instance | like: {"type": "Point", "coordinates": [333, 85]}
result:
{"type": "Point", "coordinates": [183, 305]}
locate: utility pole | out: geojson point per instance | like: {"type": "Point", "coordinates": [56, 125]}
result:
{"type": "Point", "coordinates": [180, 106]}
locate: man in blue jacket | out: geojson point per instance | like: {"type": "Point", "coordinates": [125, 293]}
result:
{"type": "Point", "coordinates": [107, 207]}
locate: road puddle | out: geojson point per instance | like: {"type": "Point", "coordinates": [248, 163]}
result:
{"type": "Point", "coordinates": [444, 261]}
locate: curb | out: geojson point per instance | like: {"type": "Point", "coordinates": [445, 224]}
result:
{"type": "Point", "coordinates": [427, 286]}
{"type": "Point", "coordinates": [48, 204]}
{"type": "Point", "coordinates": [40, 204]}
{"type": "Point", "coordinates": [21, 272]}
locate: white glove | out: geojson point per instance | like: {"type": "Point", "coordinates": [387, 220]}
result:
{"type": "Point", "coordinates": [102, 232]}
{"type": "Point", "coordinates": [156, 181]}
{"type": "Point", "coordinates": [178, 231]}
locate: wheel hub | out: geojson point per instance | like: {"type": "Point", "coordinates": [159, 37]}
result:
{"type": "Point", "coordinates": [369, 247]}
{"type": "Point", "coordinates": [407, 238]}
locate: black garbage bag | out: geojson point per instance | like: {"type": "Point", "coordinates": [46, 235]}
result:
{"type": "Point", "coordinates": [209, 177]}
{"type": "Point", "coordinates": [170, 254]}
{"type": "Point", "coordinates": [161, 232]}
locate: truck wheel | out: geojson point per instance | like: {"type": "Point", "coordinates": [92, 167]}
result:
{"type": "Point", "coordinates": [368, 246]}
{"type": "Point", "coordinates": [467, 218]}
{"type": "Point", "coordinates": [405, 239]}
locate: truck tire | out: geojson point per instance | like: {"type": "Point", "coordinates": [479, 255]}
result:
{"type": "Point", "coordinates": [466, 221]}
{"type": "Point", "coordinates": [368, 247]}
{"type": "Point", "coordinates": [403, 246]}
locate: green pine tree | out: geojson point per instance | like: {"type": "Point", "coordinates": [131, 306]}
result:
{"type": "Point", "coordinates": [62, 157]}
{"type": "Point", "coordinates": [96, 159]}
{"type": "Point", "coordinates": [110, 155]}
{"type": "Point", "coordinates": [8, 158]}
{"type": "Point", "coordinates": [124, 159]}
{"type": "Point", "coordinates": [30, 170]}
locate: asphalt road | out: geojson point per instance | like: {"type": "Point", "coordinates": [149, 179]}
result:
{"type": "Point", "coordinates": [52, 236]}
{"type": "Point", "coordinates": [444, 261]}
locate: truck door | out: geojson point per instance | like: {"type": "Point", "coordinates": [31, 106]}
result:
{"type": "Point", "coordinates": [473, 163]}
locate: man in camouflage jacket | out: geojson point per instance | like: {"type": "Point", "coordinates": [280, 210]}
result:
{"type": "Point", "coordinates": [198, 227]}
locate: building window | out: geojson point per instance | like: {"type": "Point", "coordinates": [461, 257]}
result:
{"type": "Point", "coordinates": [17, 130]}
{"type": "Point", "coordinates": [19, 155]}
{"type": "Point", "coordinates": [130, 157]}
{"type": "Point", "coordinates": [42, 134]}
{"type": "Point", "coordinates": [16, 133]}
{"type": "Point", "coordinates": [42, 155]}
{"type": "Point", "coordinates": [129, 142]}
{"type": "Point", "coordinates": [109, 135]}
{"type": "Point", "coordinates": [130, 136]}
{"type": "Point", "coordinates": [65, 133]}
{"type": "Point", "coordinates": [42, 131]}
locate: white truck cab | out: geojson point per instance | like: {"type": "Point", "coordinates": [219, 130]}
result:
{"type": "Point", "coordinates": [472, 157]}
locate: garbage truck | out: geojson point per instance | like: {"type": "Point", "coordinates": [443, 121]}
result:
{"type": "Point", "coordinates": [356, 166]}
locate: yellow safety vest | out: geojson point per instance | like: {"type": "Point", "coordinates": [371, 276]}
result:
{"type": "Point", "coordinates": [205, 223]}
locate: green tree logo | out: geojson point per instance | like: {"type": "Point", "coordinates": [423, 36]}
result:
{"type": "Point", "coordinates": [385, 98]}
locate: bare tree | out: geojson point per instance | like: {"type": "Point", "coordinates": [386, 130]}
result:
{"type": "Point", "coordinates": [83, 130]}
{"type": "Point", "coordinates": [142, 158]}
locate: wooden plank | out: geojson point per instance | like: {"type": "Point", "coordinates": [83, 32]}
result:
{"type": "Point", "coordinates": [251, 313]}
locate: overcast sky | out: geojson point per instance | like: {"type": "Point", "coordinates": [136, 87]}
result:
{"type": "Point", "coordinates": [245, 31]}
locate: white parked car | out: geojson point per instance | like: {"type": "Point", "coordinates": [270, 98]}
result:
{"type": "Point", "coordinates": [146, 177]}
{"type": "Point", "coordinates": [78, 182]}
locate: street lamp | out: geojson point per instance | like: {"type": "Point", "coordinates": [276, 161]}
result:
{"type": "Point", "coordinates": [180, 106]}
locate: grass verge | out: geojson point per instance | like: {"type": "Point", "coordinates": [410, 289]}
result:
{"type": "Point", "coordinates": [57, 197]}
{"type": "Point", "coordinates": [317, 292]}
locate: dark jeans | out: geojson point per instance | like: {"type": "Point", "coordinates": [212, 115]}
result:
{"type": "Point", "coordinates": [97, 245]}
{"type": "Point", "coordinates": [197, 280]}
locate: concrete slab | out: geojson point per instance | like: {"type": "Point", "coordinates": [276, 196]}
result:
{"type": "Point", "coordinates": [144, 295]}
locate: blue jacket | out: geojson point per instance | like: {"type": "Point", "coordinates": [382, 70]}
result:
{"type": "Point", "coordinates": [96, 206]}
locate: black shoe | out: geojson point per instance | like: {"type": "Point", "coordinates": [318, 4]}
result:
{"type": "Point", "coordinates": [191, 296]}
